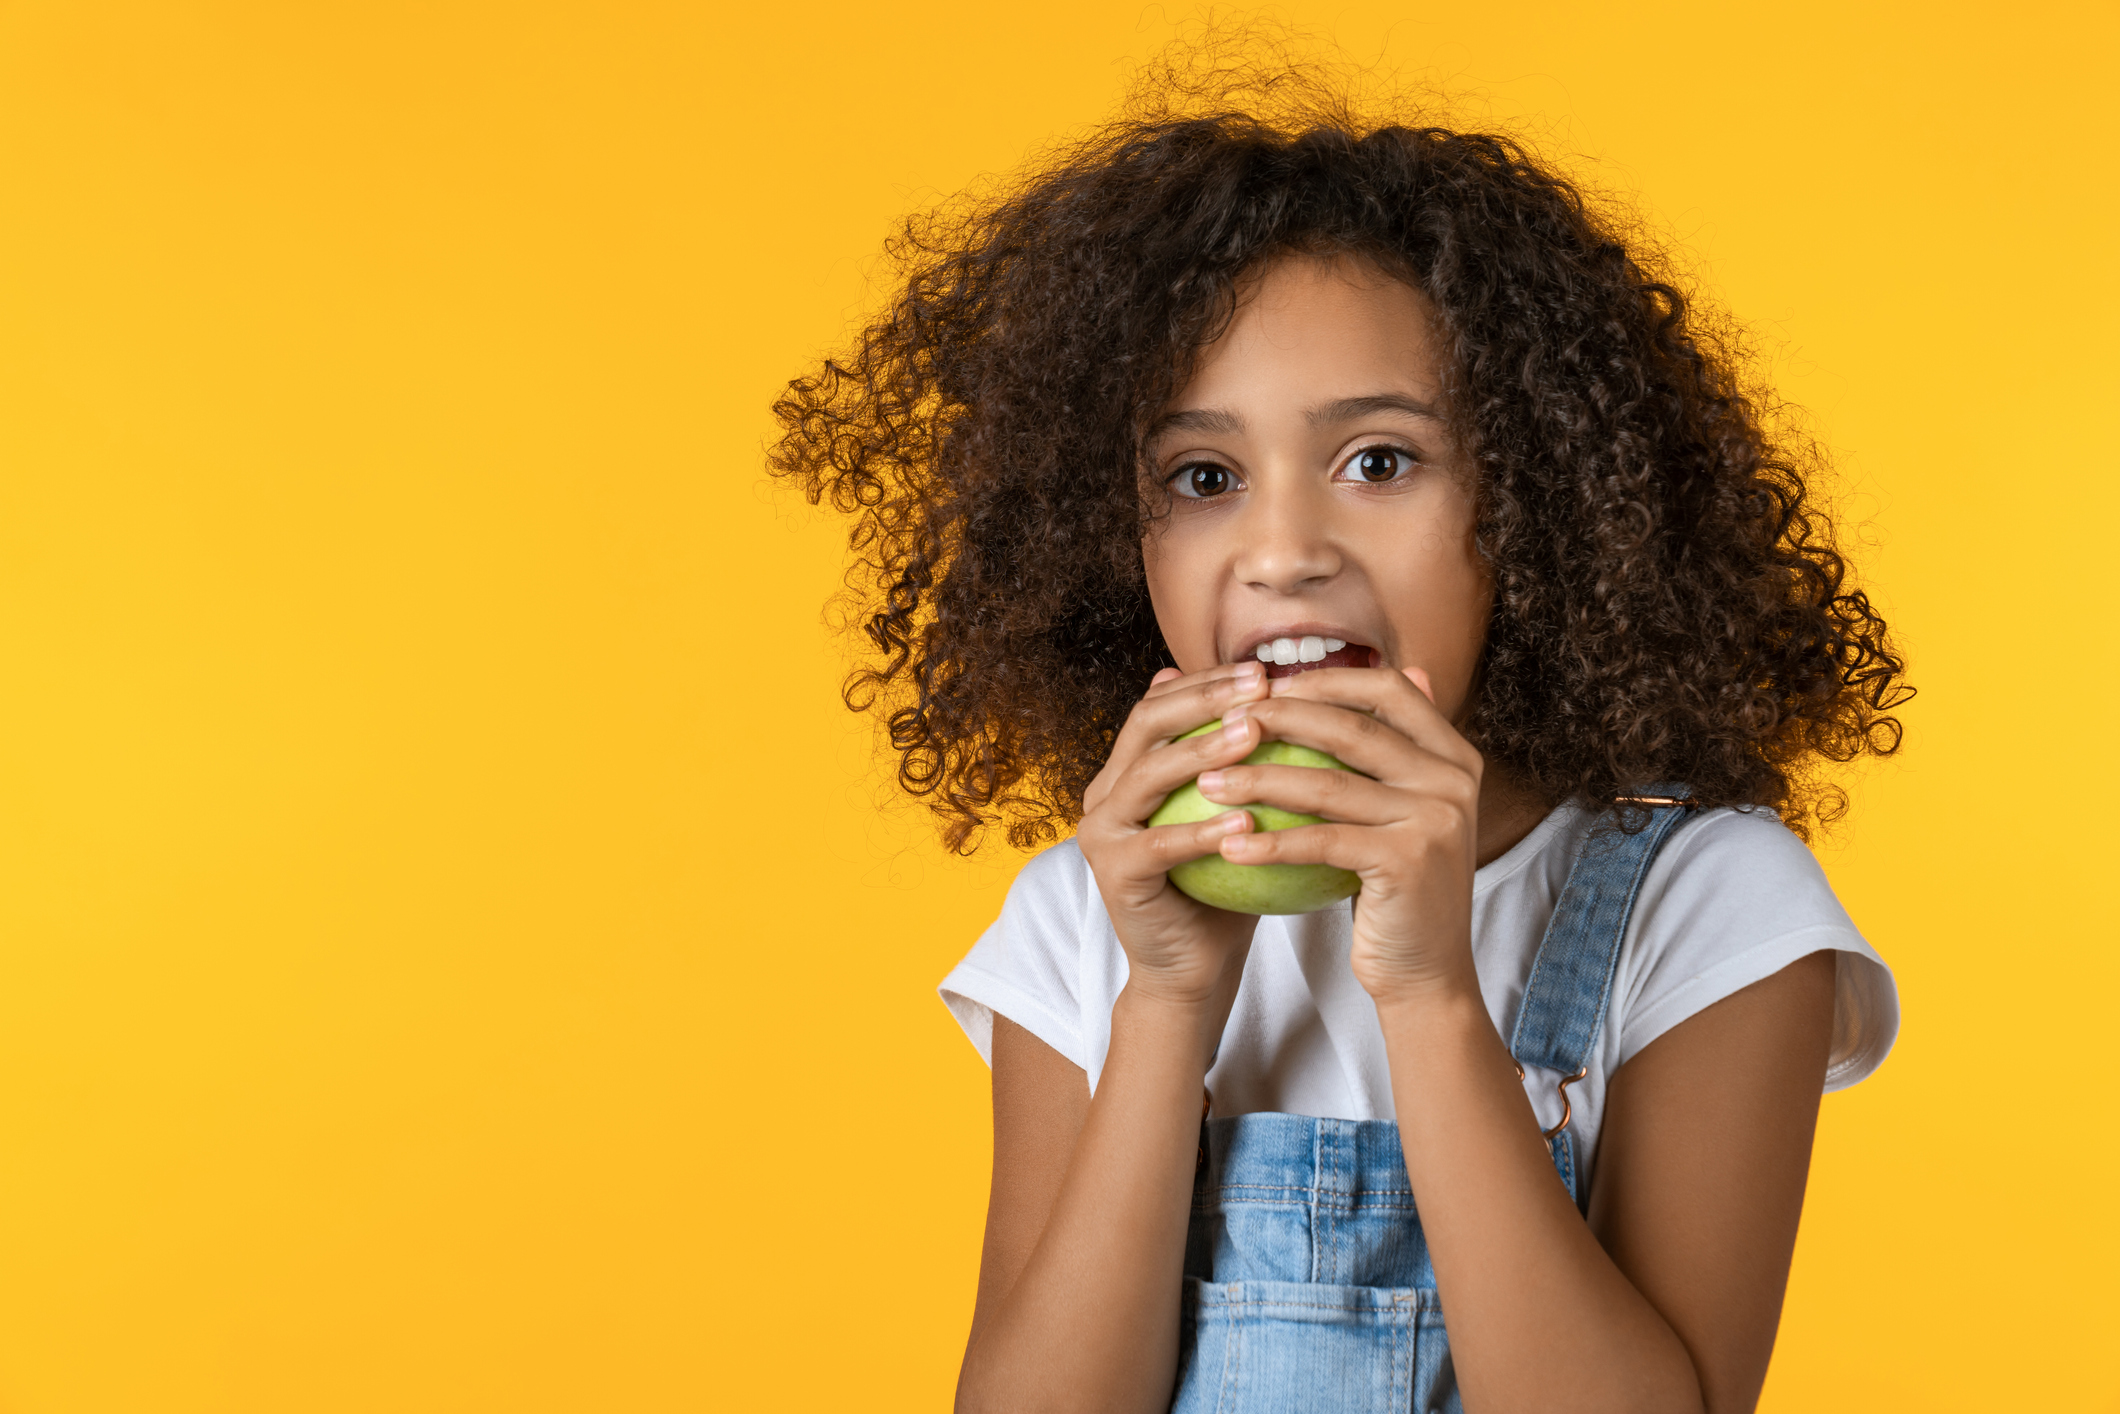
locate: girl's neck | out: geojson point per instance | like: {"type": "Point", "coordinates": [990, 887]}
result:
{"type": "Point", "coordinates": [1509, 810]}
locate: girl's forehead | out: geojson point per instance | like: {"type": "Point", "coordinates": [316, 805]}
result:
{"type": "Point", "coordinates": [1307, 328]}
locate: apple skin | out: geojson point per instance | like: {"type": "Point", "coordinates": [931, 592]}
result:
{"type": "Point", "coordinates": [1256, 888]}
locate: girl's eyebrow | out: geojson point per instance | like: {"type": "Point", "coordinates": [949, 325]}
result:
{"type": "Point", "coordinates": [1215, 420]}
{"type": "Point", "coordinates": [1349, 409]}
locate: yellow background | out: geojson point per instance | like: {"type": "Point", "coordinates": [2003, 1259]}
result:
{"type": "Point", "coordinates": [450, 955]}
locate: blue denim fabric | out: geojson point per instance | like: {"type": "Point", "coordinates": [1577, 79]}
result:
{"type": "Point", "coordinates": [1308, 1284]}
{"type": "Point", "coordinates": [1571, 979]}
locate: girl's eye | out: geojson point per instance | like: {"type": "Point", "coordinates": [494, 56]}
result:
{"type": "Point", "coordinates": [1201, 481]}
{"type": "Point", "coordinates": [1379, 464]}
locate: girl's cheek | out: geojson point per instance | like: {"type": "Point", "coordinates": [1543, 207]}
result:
{"type": "Point", "coordinates": [1182, 598]}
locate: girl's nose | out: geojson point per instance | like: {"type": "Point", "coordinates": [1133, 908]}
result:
{"type": "Point", "coordinates": [1287, 545]}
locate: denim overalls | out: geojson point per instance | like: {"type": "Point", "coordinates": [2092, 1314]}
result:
{"type": "Point", "coordinates": [1308, 1286]}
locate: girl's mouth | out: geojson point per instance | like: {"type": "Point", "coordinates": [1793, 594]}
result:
{"type": "Point", "coordinates": [1285, 657]}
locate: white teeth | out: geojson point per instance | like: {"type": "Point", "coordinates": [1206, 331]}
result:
{"type": "Point", "coordinates": [1310, 648]}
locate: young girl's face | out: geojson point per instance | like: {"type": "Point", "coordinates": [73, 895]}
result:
{"type": "Point", "coordinates": [1313, 491]}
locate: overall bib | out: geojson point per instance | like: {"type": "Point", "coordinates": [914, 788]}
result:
{"type": "Point", "coordinates": [1308, 1285]}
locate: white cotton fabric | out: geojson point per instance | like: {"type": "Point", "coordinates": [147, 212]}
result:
{"type": "Point", "coordinates": [1732, 897]}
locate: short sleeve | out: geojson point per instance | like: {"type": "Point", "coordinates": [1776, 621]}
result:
{"type": "Point", "coordinates": [1732, 899]}
{"type": "Point", "coordinates": [1027, 966]}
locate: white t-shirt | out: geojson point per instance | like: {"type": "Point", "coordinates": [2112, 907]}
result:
{"type": "Point", "coordinates": [1731, 898]}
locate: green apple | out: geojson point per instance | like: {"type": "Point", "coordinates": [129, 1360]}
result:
{"type": "Point", "coordinates": [1255, 888]}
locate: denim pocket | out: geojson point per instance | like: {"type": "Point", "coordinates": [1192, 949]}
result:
{"type": "Point", "coordinates": [1291, 1347]}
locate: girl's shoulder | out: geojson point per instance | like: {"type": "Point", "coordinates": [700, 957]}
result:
{"type": "Point", "coordinates": [1029, 965]}
{"type": "Point", "coordinates": [1055, 878]}
{"type": "Point", "coordinates": [1732, 898]}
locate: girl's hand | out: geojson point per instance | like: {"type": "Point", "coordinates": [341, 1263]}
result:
{"type": "Point", "coordinates": [1177, 950]}
{"type": "Point", "coordinates": [1410, 831]}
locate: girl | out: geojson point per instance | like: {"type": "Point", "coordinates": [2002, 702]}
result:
{"type": "Point", "coordinates": [1371, 439]}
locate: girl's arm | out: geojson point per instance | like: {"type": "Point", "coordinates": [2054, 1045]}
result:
{"type": "Point", "coordinates": [1085, 1248]}
{"type": "Point", "coordinates": [1701, 1169]}
{"type": "Point", "coordinates": [1669, 1297]}
{"type": "Point", "coordinates": [1041, 1102]}
{"type": "Point", "coordinates": [1085, 1231]}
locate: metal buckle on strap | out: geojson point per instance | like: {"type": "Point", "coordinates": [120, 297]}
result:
{"type": "Point", "coordinates": [1653, 801]}
{"type": "Point", "coordinates": [1567, 1106]}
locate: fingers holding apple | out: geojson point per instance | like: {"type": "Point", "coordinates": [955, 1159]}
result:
{"type": "Point", "coordinates": [1223, 883]}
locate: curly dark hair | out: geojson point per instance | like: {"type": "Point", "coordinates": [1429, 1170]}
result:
{"type": "Point", "coordinates": [1669, 602]}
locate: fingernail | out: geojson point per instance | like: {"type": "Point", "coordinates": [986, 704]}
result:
{"type": "Point", "coordinates": [1210, 782]}
{"type": "Point", "coordinates": [1234, 822]}
{"type": "Point", "coordinates": [1233, 725]}
{"type": "Point", "coordinates": [1248, 673]}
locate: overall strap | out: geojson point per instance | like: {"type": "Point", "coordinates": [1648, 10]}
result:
{"type": "Point", "coordinates": [1571, 978]}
